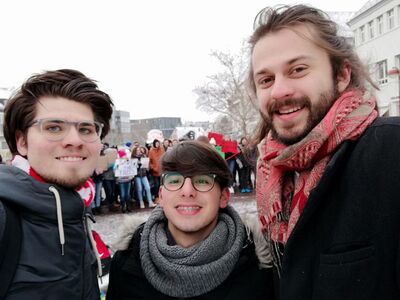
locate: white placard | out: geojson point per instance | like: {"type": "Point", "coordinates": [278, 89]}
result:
{"type": "Point", "coordinates": [125, 168]}
{"type": "Point", "coordinates": [145, 162]}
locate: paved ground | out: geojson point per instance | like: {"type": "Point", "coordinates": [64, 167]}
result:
{"type": "Point", "coordinates": [108, 225]}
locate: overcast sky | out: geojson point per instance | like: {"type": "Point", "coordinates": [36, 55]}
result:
{"type": "Point", "coordinates": [148, 55]}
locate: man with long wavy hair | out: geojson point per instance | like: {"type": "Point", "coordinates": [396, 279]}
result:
{"type": "Point", "coordinates": [328, 164]}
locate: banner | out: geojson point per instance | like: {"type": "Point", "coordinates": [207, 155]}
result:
{"type": "Point", "coordinates": [230, 146]}
{"type": "Point", "coordinates": [125, 167]}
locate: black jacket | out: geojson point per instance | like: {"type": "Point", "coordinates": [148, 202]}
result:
{"type": "Point", "coordinates": [247, 281]}
{"type": "Point", "coordinates": [43, 272]}
{"type": "Point", "coordinates": [346, 243]}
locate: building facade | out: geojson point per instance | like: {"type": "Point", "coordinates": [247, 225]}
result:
{"type": "Point", "coordinates": [376, 28]}
{"type": "Point", "coordinates": [120, 129]}
{"type": "Point", "coordinates": [140, 128]}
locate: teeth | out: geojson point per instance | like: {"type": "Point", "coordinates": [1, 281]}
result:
{"type": "Point", "coordinates": [290, 110]}
{"type": "Point", "coordinates": [69, 158]}
{"type": "Point", "coordinates": [188, 208]}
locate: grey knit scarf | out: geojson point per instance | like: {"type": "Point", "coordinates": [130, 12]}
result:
{"type": "Point", "coordinates": [187, 272]}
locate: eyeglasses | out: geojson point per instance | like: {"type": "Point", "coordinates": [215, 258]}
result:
{"type": "Point", "coordinates": [57, 129]}
{"type": "Point", "coordinates": [201, 183]}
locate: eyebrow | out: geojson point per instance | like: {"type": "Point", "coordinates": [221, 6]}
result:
{"type": "Point", "coordinates": [289, 62]}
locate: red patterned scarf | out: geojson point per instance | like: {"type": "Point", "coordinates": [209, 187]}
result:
{"type": "Point", "coordinates": [278, 194]}
{"type": "Point", "coordinates": [86, 191]}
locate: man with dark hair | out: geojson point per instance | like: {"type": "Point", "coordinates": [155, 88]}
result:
{"type": "Point", "coordinates": [194, 245]}
{"type": "Point", "coordinates": [53, 126]}
{"type": "Point", "coordinates": [328, 166]}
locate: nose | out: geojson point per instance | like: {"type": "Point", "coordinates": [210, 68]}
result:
{"type": "Point", "coordinates": [72, 137]}
{"type": "Point", "coordinates": [187, 189]}
{"type": "Point", "coordinates": [282, 88]}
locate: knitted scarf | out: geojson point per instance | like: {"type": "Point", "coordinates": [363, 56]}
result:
{"type": "Point", "coordinates": [188, 272]}
{"type": "Point", "coordinates": [280, 201]}
{"type": "Point", "coordinates": [86, 191]}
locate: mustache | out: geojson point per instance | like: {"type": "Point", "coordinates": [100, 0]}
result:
{"type": "Point", "coordinates": [276, 105]}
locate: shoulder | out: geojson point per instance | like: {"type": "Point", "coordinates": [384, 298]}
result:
{"type": "Point", "coordinates": [131, 228]}
{"type": "Point", "coordinates": [255, 241]}
{"type": "Point", "coordinates": [384, 127]}
{"type": "Point", "coordinates": [381, 137]}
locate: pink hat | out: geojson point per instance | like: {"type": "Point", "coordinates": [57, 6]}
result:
{"type": "Point", "coordinates": [121, 153]}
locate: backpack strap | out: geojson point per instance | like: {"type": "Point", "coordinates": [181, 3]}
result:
{"type": "Point", "coordinates": [10, 246]}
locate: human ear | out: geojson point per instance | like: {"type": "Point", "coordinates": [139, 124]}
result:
{"type": "Point", "coordinates": [224, 198]}
{"type": "Point", "coordinates": [343, 76]}
{"type": "Point", "coordinates": [22, 143]}
{"type": "Point", "coordinates": [161, 198]}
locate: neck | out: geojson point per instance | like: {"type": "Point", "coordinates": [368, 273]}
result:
{"type": "Point", "coordinates": [187, 239]}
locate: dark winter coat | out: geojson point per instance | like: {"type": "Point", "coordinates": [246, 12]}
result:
{"type": "Point", "coordinates": [346, 243]}
{"type": "Point", "coordinates": [247, 281]}
{"type": "Point", "coordinates": [43, 272]}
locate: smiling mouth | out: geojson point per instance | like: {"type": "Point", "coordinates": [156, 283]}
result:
{"type": "Point", "coordinates": [71, 158]}
{"type": "Point", "coordinates": [188, 209]}
{"type": "Point", "coordinates": [286, 111]}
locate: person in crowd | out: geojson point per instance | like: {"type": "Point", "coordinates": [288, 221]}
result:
{"type": "Point", "coordinates": [53, 126]}
{"type": "Point", "coordinates": [144, 151]}
{"type": "Point", "coordinates": [155, 154]}
{"type": "Point", "coordinates": [141, 180]}
{"type": "Point", "coordinates": [174, 142]}
{"type": "Point", "coordinates": [328, 165]}
{"type": "Point", "coordinates": [167, 144]}
{"type": "Point", "coordinates": [203, 138]}
{"type": "Point", "coordinates": [97, 178]}
{"type": "Point", "coordinates": [109, 180]}
{"type": "Point", "coordinates": [233, 167]}
{"type": "Point", "coordinates": [124, 181]}
{"type": "Point", "coordinates": [244, 166]}
{"type": "Point", "coordinates": [194, 245]}
{"type": "Point", "coordinates": [1, 159]}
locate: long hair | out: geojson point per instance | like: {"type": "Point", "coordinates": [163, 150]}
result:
{"type": "Point", "coordinates": [325, 35]}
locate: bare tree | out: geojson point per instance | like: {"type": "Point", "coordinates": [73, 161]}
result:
{"type": "Point", "coordinates": [225, 93]}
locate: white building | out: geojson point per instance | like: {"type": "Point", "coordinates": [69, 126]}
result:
{"type": "Point", "coordinates": [376, 28]}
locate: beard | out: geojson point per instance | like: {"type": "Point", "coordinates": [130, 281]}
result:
{"type": "Point", "coordinates": [69, 182]}
{"type": "Point", "coordinates": [317, 113]}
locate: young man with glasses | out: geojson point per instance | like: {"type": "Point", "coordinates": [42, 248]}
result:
{"type": "Point", "coordinates": [194, 245]}
{"type": "Point", "coordinates": [53, 126]}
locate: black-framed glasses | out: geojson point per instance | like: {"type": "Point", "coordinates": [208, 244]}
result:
{"type": "Point", "coordinates": [201, 183]}
{"type": "Point", "coordinates": [57, 129]}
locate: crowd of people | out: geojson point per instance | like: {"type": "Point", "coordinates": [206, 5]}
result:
{"type": "Point", "coordinates": [125, 193]}
{"type": "Point", "coordinates": [328, 210]}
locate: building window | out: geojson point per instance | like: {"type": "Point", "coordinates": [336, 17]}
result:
{"type": "Point", "coordinates": [398, 15]}
{"type": "Point", "coordinates": [390, 19]}
{"type": "Point", "coordinates": [362, 34]}
{"type": "Point", "coordinates": [397, 61]}
{"type": "Point", "coordinates": [380, 24]}
{"type": "Point", "coordinates": [355, 37]}
{"type": "Point", "coordinates": [381, 71]}
{"type": "Point", "coordinates": [371, 30]}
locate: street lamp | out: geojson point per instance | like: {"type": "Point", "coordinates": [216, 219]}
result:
{"type": "Point", "coordinates": [393, 72]}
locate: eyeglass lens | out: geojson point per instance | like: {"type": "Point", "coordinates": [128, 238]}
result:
{"type": "Point", "coordinates": [175, 181]}
{"type": "Point", "coordinates": [57, 129]}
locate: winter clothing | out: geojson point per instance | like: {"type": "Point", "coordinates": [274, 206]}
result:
{"type": "Point", "coordinates": [223, 266]}
{"type": "Point", "coordinates": [154, 163]}
{"type": "Point", "coordinates": [345, 244]}
{"type": "Point", "coordinates": [48, 267]}
{"type": "Point", "coordinates": [280, 199]}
